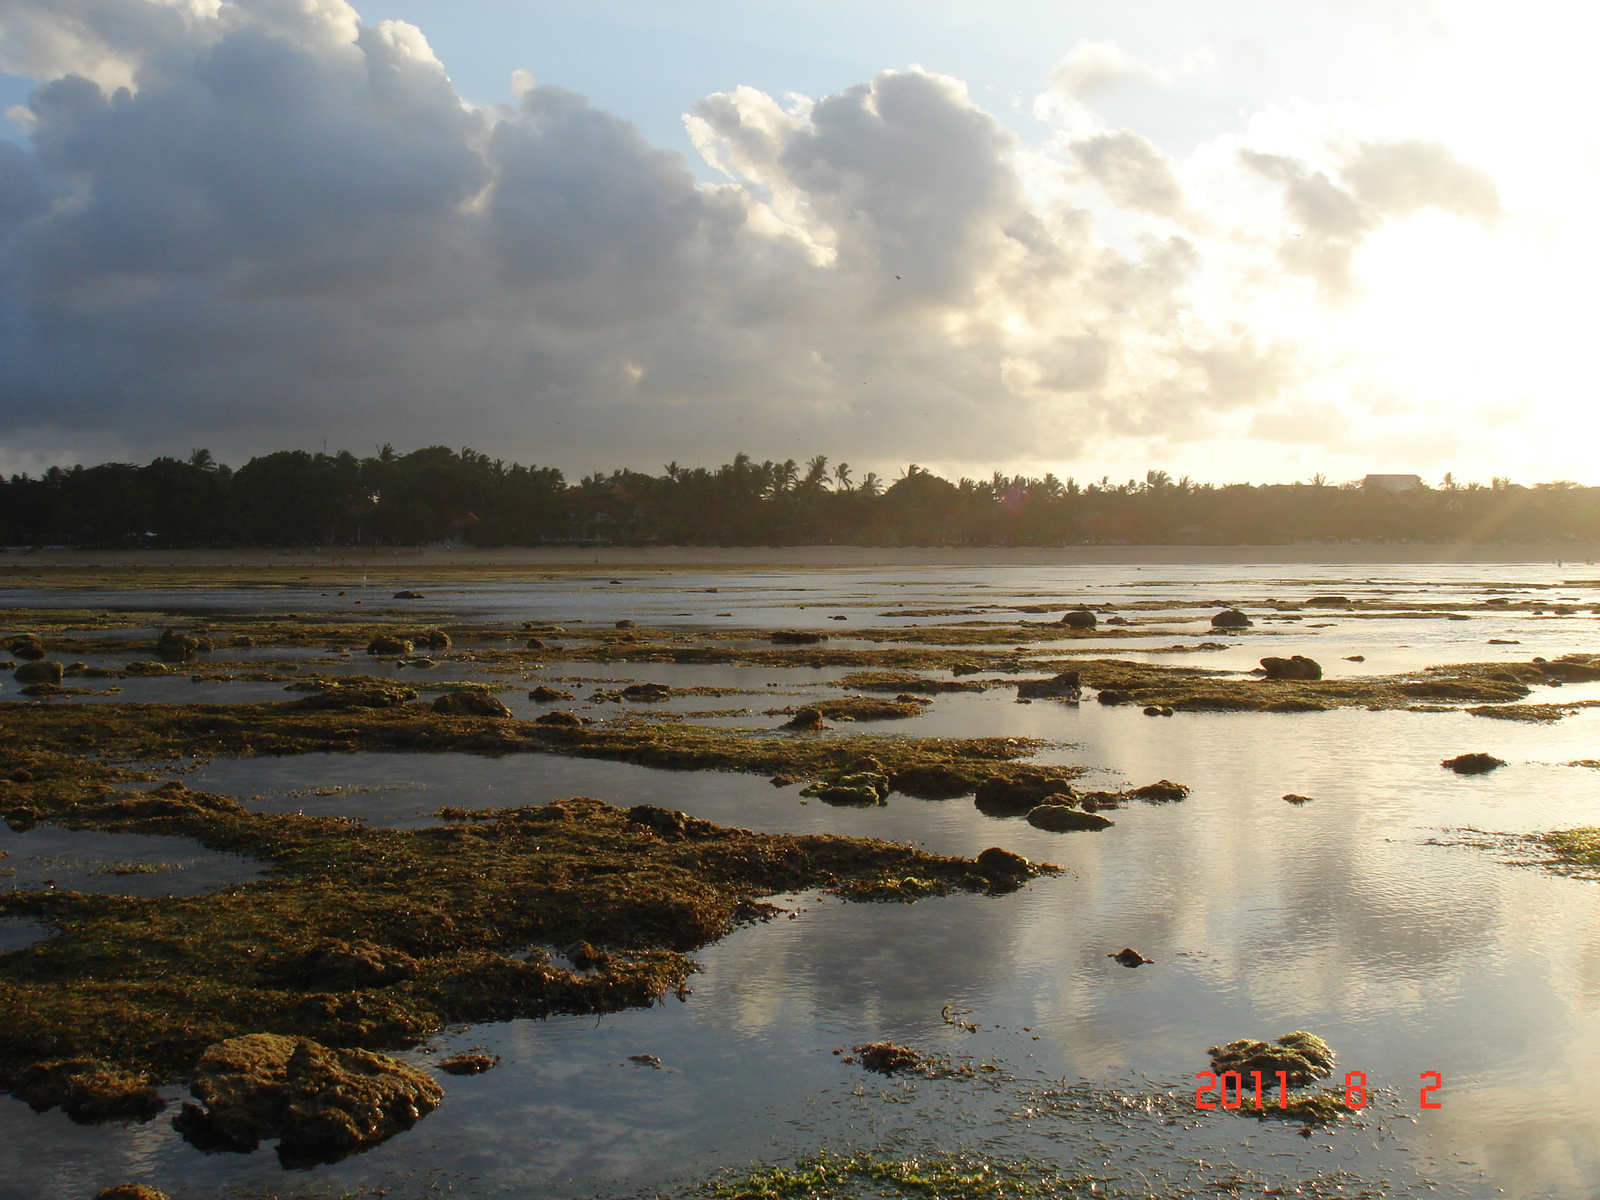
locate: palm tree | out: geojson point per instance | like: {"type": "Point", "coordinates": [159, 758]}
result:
{"type": "Point", "coordinates": [841, 473]}
{"type": "Point", "coordinates": [871, 484]}
{"type": "Point", "coordinates": [816, 474]}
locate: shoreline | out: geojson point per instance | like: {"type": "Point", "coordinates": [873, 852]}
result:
{"type": "Point", "coordinates": [666, 558]}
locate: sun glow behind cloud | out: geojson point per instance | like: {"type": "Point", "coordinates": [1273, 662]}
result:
{"type": "Point", "coordinates": [293, 223]}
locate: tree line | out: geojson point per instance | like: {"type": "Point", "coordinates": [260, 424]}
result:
{"type": "Point", "coordinates": [436, 494]}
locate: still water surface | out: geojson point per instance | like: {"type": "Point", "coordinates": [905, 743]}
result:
{"type": "Point", "coordinates": [1366, 916]}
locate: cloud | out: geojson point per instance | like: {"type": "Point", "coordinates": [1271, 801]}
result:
{"type": "Point", "coordinates": [1093, 68]}
{"type": "Point", "coordinates": [259, 223]}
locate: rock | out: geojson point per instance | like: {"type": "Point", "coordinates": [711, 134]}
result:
{"type": "Point", "coordinates": [88, 1091]}
{"type": "Point", "coordinates": [796, 637]}
{"type": "Point", "coordinates": [1017, 795]}
{"type": "Point", "coordinates": [931, 781]}
{"type": "Point", "coordinates": [386, 644]}
{"type": "Point", "coordinates": [1292, 798]}
{"type": "Point", "coordinates": [27, 647]}
{"type": "Point", "coordinates": [408, 595]}
{"type": "Point", "coordinates": [857, 788]}
{"type": "Point", "coordinates": [785, 780]}
{"type": "Point", "coordinates": [1298, 667]}
{"type": "Point", "coordinates": [627, 624]}
{"type": "Point", "coordinates": [647, 691]}
{"type": "Point", "coordinates": [548, 695]}
{"type": "Point", "coordinates": [351, 696]}
{"type": "Point", "coordinates": [244, 641]}
{"type": "Point", "coordinates": [1161, 791]}
{"type": "Point", "coordinates": [646, 1060]}
{"type": "Point", "coordinates": [1061, 818]}
{"type": "Point", "coordinates": [470, 702]}
{"type": "Point", "coordinates": [324, 1104]}
{"type": "Point", "coordinates": [1473, 764]}
{"type": "Point", "coordinates": [1002, 866]}
{"type": "Point", "coordinates": [1328, 601]}
{"type": "Point", "coordinates": [1302, 1056]}
{"type": "Point", "coordinates": [43, 671]}
{"type": "Point", "coordinates": [1110, 697]}
{"type": "Point", "coordinates": [562, 719]}
{"type": "Point", "coordinates": [886, 1058]}
{"type": "Point", "coordinates": [1064, 686]}
{"type": "Point", "coordinates": [534, 643]}
{"type": "Point", "coordinates": [1079, 618]}
{"type": "Point", "coordinates": [435, 639]}
{"type": "Point", "coordinates": [1355, 658]}
{"type": "Point", "coordinates": [175, 646]}
{"type": "Point", "coordinates": [669, 822]}
{"type": "Point", "coordinates": [1153, 710]}
{"type": "Point", "coordinates": [806, 718]}
{"type": "Point", "coordinates": [22, 819]}
{"type": "Point", "coordinates": [132, 1191]}
{"type": "Point", "coordinates": [1129, 957]}
{"type": "Point", "coordinates": [145, 668]}
{"type": "Point", "coordinates": [1230, 618]}
{"type": "Point", "coordinates": [335, 966]}
{"type": "Point", "coordinates": [469, 1063]}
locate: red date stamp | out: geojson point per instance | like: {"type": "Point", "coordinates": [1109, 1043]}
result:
{"type": "Point", "coordinates": [1355, 1089]}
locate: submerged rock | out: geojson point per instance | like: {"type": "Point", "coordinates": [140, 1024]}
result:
{"type": "Point", "coordinates": [1230, 618]}
{"type": "Point", "coordinates": [548, 695]}
{"type": "Point", "coordinates": [1079, 618]}
{"type": "Point", "coordinates": [857, 788]}
{"type": "Point", "coordinates": [88, 1091]}
{"type": "Point", "coordinates": [469, 1063]}
{"type": "Point", "coordinates": [931, 781]}
{"type": "Point", "coordinates": [1021, 793]}
{"type": "Point", "coordinates": [797, 637]}
{"type": "Point", "coordinates": [386, 644]}
{"type": "Point", "coordinates": [408, 595]}
{"type": "Point", "coordinates": [1302, 1056]}
{"type": "Point", "coordinates": [1294, 798]}
{"type": "Point", "coordinates": [1111, 697]}
{"type": "Point", "coordinates": [1297, 667]}
{"type": "Point", "coordinates": [647, 691]}
{"type": "Point", "coordinates": [1473, 764]}
{"type": "Point", "coordinates": [1161, 791]}
{"type": "Point", "coordinates": [562, 719]}
{"type": "Point", "coordinates": [1062, 818]}
{"type": "Point", "coordinates": [1064, 686]}
{"type": "Point", "coordinates": [45, 671]}
{"type": "Point", "coordinates": [324, 1104]}
{"type": "Point", "coordinates": [132, 1191]}
{"type": "Point", "coordinates": [471, 702]}
{"type": "Point", "coordinates": [534, 643]}
{"type": "Point", "coordinates": [1129, 957]}
{"type": "Point", "coordinates": [351, 696]}
{"type": "Point", "coordinates": [145, 668]}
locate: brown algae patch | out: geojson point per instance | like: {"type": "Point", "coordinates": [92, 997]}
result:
{"type": "Point", "coordinates": [374, 937]}
{"type": "Point", "coordinates": [831, 1176]}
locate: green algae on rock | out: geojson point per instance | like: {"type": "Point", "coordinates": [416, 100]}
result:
{"type": "Point", "coordinates": [1301, 1056]}
{"type": "Point", "coordinates": [322, 1104]}
{"type": "Point", "coordinates": [857, 1176]}
{"type": "Point", "coordinates": [377, 937]}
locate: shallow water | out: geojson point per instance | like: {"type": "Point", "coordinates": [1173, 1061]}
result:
{"type": "Point", "coordinates": [1365, 916]}
{"type": "Point", "coordinates": [49, 858]}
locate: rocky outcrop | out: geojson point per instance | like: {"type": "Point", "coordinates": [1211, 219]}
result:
{"type": "Point", "coordinates": [549, 695]}
{"type": "Point", "coordinates": [27, 647]}
{"type": "Point", "coordinates": [806, 719]}
{"type": "Point", "coordinates": [647, 692]}
{"type": "Point", "coordinates": [1079, 618]}
{"type": "Point", "coordinates": [856, 788]}
{"type": "Point", "coordinates": [1129, 957]}
{"type": "Point", "coordinates": [1017, 795]}
{"type": "Point", "coordinates": [1003, 869]}
{"type": "Point", "coordinates": [177, 646]}
{"type": "Point", "coordinates": [471, 702]}
{"type": "Point", "coordinates": [88, 1091]}
{"type": "Point", "coordinates": [388, 644]}
{"type": "Point", "coordinates": [1473, 764]}
{"type": "Point", "coordinates": [1065, 686]}
{"type": "Point", "coordinates": [796, 637]}
{"type": "Point", "coordinates": [562, 719]}
{"type": "Point", "coordinates": [323, 1104]}
{"type": "Point", "coordinates": [1297, 667]}
{"type": "Point", "coordinates": [1302, 1056]}
{"type": "Point", "coordinates": [1230, 618]}
{"type": "Point", "coordinates": [351, 696]}
{"type": "Point", "coordinates": [46, 671]}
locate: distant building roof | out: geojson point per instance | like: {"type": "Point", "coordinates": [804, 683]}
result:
{"type": "Point", "coordinates": [1392, 483]}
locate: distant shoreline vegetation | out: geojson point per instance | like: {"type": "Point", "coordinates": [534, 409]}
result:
{"type": "Point", "coordinates": [439, 495]}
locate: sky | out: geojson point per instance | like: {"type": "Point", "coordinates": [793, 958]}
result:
{"type": "Point", "coordinates": [1238, 241]}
